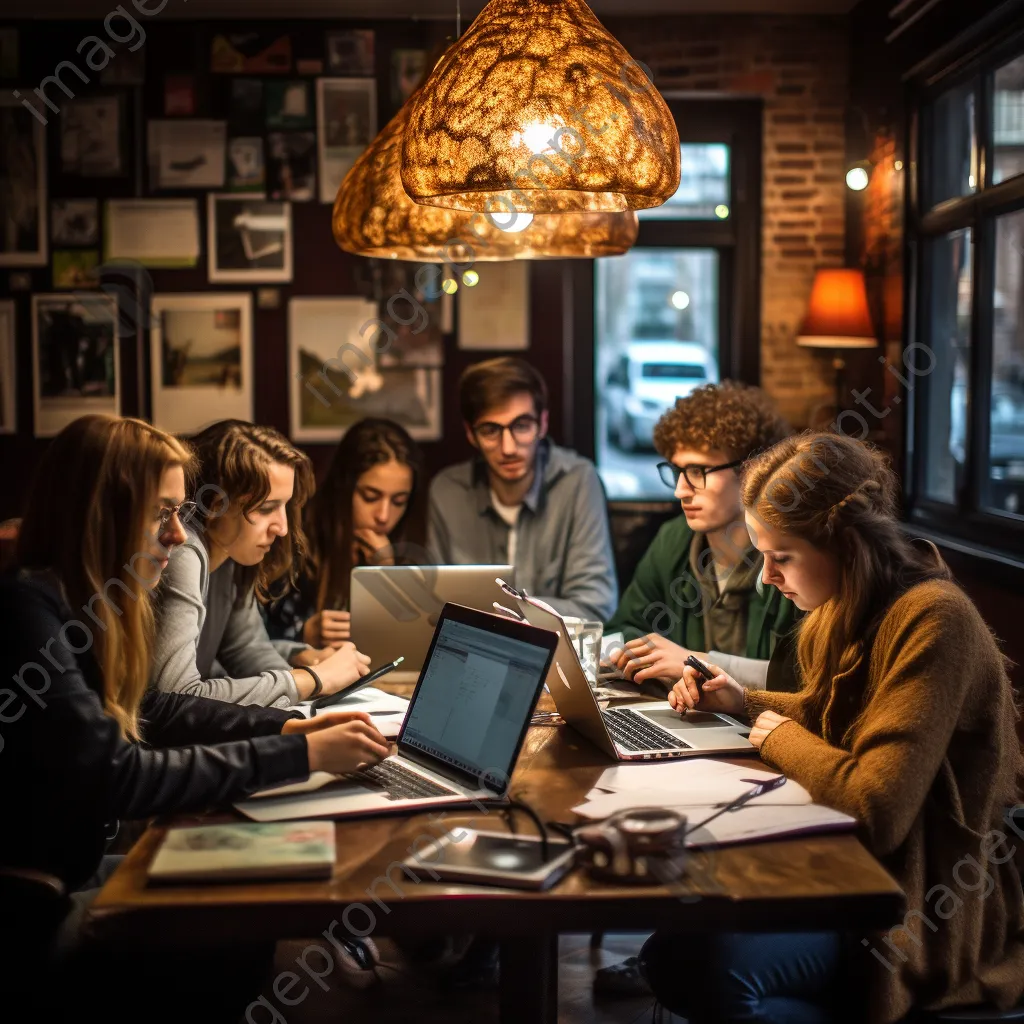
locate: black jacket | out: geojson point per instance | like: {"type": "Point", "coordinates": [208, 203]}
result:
{"type": "Point", "coordinates": [66, 772]}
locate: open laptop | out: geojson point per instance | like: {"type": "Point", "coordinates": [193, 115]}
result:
{"type": "Point", "coordinates": [462, 734]}
{"type": "Point", "coordinates": [396, 607]}
{"type": "Point", "coordinates": [649, 731]}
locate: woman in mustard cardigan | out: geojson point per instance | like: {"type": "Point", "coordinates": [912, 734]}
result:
{"type": "Point", "coordinates": [906, 721]}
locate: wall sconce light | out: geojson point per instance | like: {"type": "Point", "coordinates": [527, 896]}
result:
{"type": "Point", "coordinates": [858, 176]}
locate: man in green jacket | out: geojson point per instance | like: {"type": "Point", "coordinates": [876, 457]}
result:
{"type": "Point", "coordinates": [698, 587]}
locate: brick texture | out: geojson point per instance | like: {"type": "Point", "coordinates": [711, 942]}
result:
{"type": "Point", "coordinates": [799, 66]}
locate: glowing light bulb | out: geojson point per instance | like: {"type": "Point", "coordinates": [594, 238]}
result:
{"type": "Point", "coordinates": [512, 223]}
{"type": "Point", "coordinates": [857, 178]}
{"type": "Point", "coordinates": [536, 136]}
{"type": "Point", "coordinates": [680, 300]}
{"type": "Point", "coordinates": [721, 211]}
{"type": "Point", "coordinates": [470, 278]}
{"type": "Point", "coordinates": [449, 286]}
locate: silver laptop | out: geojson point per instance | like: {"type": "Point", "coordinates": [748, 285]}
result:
{"type": "Point", "coordinates": [462, 734]}
{"type": "Point", "coordinates": [649, 731]}
{"type": "Point", "coordinates": [396, 607]}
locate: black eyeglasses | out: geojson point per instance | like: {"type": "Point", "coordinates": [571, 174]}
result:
{"type": "Point", "coordinates": [185, 511]}
{"type": "Point", "coordinates": [523, 430]}
{"type": "Point", "coordinates": [696, 475]}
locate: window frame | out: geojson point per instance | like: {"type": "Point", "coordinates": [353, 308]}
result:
{"type": "Point", "coordinates": [737, 240]}
{"type": "Point", "coordinates": [967, 518]}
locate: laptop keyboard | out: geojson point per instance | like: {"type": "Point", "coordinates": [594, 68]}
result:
{"type": "Point", "coordinates": [399, 783]}
{"type": "Point", "coordinates": [633, 732]}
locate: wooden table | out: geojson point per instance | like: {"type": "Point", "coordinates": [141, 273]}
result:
{"type": "Point", "coordinates": [812, 883]}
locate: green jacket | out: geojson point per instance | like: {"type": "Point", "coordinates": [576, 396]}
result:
{"type": "Point", "coordinates": [663, 597]}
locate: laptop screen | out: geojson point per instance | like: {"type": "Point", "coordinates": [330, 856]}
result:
{"type": "Point", "coordinates": [473, 700]}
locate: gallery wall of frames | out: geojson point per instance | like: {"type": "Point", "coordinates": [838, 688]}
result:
{"type": "Point", "coordinates": [165, 237]}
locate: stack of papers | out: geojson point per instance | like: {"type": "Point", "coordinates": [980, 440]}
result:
{"type": "Point", "coordinates": [697, 787]}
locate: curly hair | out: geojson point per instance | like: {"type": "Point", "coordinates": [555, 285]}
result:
{"type": "Point", "coordinates": [731, 417]}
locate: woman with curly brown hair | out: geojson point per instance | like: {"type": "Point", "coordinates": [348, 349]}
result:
{"type": "Point", "coordinates": [696, 588]}
{"type": "Point", "coordinates": [246, 536]}
{"type": "Point", "coordinates": [906, 721]}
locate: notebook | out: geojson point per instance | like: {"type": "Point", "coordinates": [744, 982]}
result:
{"type": "Point", "coordinates": [224, 853]}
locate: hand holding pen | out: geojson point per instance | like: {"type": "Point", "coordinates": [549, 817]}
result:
{"type": "Point", "coordinates": [359, 684]}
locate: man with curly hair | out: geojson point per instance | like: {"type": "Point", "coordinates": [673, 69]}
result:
{"type": "Point", "coordinates": [697, 588]}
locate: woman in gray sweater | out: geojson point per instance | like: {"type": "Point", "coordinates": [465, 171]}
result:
{"type": "Point", "coordinates": [244, 536]}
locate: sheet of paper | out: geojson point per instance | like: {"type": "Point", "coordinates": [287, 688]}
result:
{"type": "Point", "coordinates": [754, 822]}
{"type": "Point", "coordinates": [687, 777]}
{"type": "Point", "coordinates": [369, 699]}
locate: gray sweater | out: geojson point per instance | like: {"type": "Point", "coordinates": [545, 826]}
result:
{"type": "Point", "coordinates": [564, 548]}
{"type": "Point", "coordinates": [200, 631]}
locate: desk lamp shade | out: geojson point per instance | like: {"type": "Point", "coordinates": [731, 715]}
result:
{"type": "Point", "coordinates": [838, 315]}
{"type": "Point", "coordinates": [373, 216]}
{"type": "Point", "coordinates": [537, 108]}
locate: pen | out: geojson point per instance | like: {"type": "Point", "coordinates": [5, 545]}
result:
{"type": "Point", "coordinates": [734, 805]}
{"type": "Point", "coordinates": [334, 698]}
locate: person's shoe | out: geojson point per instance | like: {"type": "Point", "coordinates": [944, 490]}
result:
{"type": "Point", "coordinates": [357, 960]}
{"type": "Point", "coordinates": [622, 981]}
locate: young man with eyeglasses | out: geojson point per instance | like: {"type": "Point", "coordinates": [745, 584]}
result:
{"type": "Point", "coordinates": [523, 500]}
{"type": "Point", "coordinates": [697, 589]}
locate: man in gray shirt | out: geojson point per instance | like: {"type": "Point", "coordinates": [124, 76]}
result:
{"type": "Point", "coordinates": [522, 500]}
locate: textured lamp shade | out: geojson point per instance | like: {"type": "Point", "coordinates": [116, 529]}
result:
{"type": "Point", "coordinates": [538, 109]}
{"type": "Point", "coordinates": [373, 216]}
{"type": "Point", "coordinates": [838, 315]}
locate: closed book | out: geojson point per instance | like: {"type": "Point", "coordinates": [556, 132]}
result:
{"type": "Point", "coordinates": [224, 853]}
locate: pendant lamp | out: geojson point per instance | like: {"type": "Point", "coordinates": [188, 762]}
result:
{"type": "Point", "coordinates": [373, 216]}
{"type": "Point", "coordinates": [538, 109]}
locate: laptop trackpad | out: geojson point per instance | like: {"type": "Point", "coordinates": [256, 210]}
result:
{"type": "Point", "coordinates": [676, 723]}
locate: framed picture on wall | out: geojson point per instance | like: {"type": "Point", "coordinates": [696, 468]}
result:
{"type": "Point", "coordinates": [91, 137]}
{"type": "Point", "coordinates": [291, 165]}
{"type": "Point", "coordinates": [22, 186]}
{"type": "Point", "coordinates": [334, 379]}
{"type": "Point", "coordinates": [416, 312]}
{"type": "Point", "coordinates": [250, 238]}
{"type": "Point", "coordinates": [8, 370]}
{"type": "Point", "coordinates": [346, 111]}
{"type": "Point", "coordinates": [494, 314]}
{"type": "Point", "coordinates": [350, 53]}
{"type": "Point", "coordinates": [186, 153]}
{"type": "Point", "coordinates": [75, 221]}
{"type": "Point", "coordinates": [200, 359]}
{"type": "Point", "coordinates": [75, 362]}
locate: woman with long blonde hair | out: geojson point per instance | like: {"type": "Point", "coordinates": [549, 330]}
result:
{"type": "Point", "coordinates": [906, 721]}
{"type": "Point", "coordinates": [84, 742]}
{"type": "Point", "coordinates": [241, 547]}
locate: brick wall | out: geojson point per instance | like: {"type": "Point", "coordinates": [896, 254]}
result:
{"type": "Point", "coordinates": [799, 67]}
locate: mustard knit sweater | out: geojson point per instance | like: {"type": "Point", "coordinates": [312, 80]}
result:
{"type": "Point", "coordinates": [918, 742]}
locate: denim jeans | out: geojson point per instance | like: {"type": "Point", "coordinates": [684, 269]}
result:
{"type": "Point", "coordinates": [757, 979]}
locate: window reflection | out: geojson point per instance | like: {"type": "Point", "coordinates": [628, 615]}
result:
{"type": "Point", "coordinates": [704, 185]}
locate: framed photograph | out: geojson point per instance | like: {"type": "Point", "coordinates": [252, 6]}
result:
{"type": "Point", "coordinates": [291, 166]}
{"type": "Point", "coordinates": [75, 364]}
{"type": "Point", "coordinates": [251, 53]}
{"type": "Point", "coordinates": [91, 137]}
{"type": "Point", "coordinates": [75, 268]}
{"type": "Point", "coordinates": [249, 239]}
{"type": "Point", "coordinates": [334, 380]}
{"type": "Point", "coordinates": [415, 314]}
{"type": "Point", "coordinates": [350, 53]}
{"type": "Point", "coordinates": [346, 111]}
{"type": "Point", "coordinates": [187, 154]}
{"type": "Point", "coordinates": [246, 171]}
{"type": "Point", "coordinates": [22, 186]}
{"type": "Point", "coordinates": [153, 232]}
{"type": "Point", "coordinates": [75, 221]}
{"type": "Point", "coordinates": [289, 104]}
{"type": "Point", "coordinates": [246, 110]}
{"type": "Point", "coordinates": [494, 315]}
{"type": "Point", "coordinates": [179, 96]}
{"type": "Point", "coordinates": [8, 53]}
{"type": "Point", "coordinates": [407, 68]}
{"type": "Point", "coordinates": [200, 359]}
{"type": "Point", "coordinates": [8, 370]}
